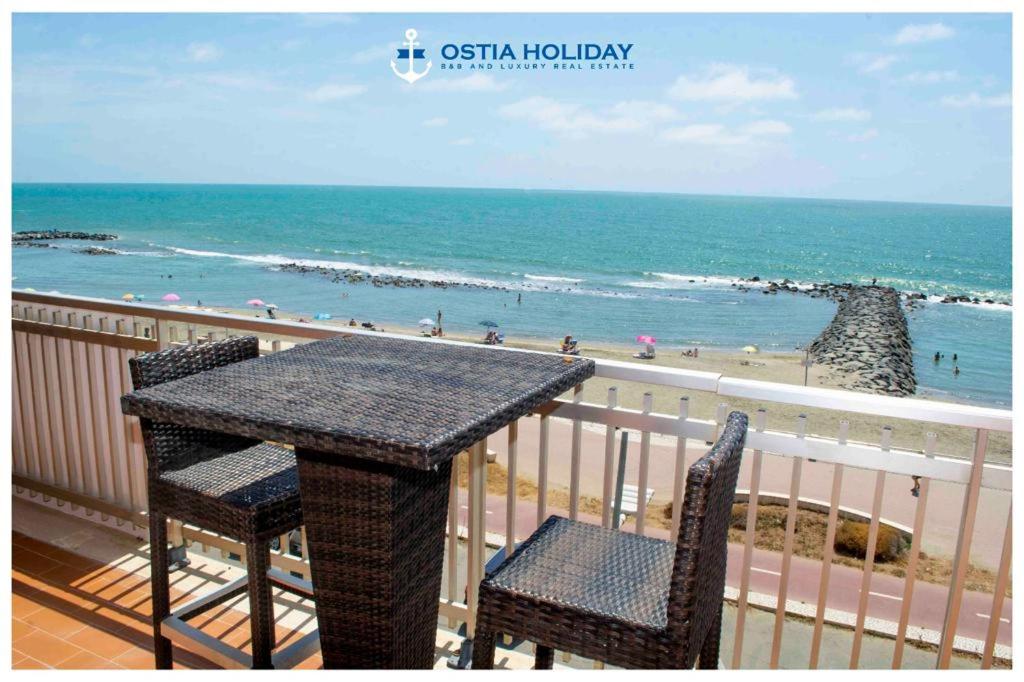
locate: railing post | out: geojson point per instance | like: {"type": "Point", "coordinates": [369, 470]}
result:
{"type": "Point", "coordinates": [609, 463]}
{"type": "Point", "coordinates": [642, 475]}
{"type": "Point", "coordinates": [574, 457]}
{"type": "Point", "coordinates": [748, 544]}
{"type": "Point", "coordinates": [680, 478]}
{"type": "Point", "coordinates": [787, 547]}
{"type": "Point", "coordinates": [962, 556]}
{"type": "Point", "coordinates": [829, 549]}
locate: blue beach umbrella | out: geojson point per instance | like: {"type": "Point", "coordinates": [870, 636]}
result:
{"type": "Point", "coordinates": [322, 316]}
{"type": "Point", "coordinates": [489, 323]}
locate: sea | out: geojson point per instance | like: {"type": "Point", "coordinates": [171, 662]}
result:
{"type": "Point", "coordinates": [602, 266]}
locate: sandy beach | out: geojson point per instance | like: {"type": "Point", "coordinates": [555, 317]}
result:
{"type": "Point", "coordinates": [776, 367]}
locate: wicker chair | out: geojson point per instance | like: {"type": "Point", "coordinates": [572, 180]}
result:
{"type": "Point", "coordinates": [622, 598]}
{"type": "Point", "coordinates": [233, 486]}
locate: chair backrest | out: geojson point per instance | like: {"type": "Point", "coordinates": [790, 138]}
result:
{"type": "Point", "coordinates": [169, 446]}
{"type": "Point", "coordinates": [698, 574]}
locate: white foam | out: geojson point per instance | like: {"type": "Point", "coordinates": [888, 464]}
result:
{"type": "Point", "coordinates": [373, 270]}
{"type": "Point", "coordinates": [552, 278]}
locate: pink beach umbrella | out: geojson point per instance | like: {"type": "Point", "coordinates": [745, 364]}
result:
{"type": "Point", "coordinates": [645, 339]}
{"type": "Point", "coordinates": [170, 297]}
{"type": "Point", "coordinates": [255, 302]}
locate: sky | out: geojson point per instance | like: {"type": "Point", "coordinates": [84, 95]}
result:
{"type": "Point", "coordinates": [850, 106]}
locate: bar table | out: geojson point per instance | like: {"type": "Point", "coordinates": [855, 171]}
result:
{"type": "Point", "coordinates": [375, 421]}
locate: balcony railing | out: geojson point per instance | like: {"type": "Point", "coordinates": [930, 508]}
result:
{"type": "Point", "coordinates": [74, 450]}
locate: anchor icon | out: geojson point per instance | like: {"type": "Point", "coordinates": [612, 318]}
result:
{"type": "Point", "coordinates": [410, 76]}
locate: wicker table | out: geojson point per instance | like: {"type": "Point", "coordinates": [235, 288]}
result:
{"type": "Point", "coordinates": [375, 422]}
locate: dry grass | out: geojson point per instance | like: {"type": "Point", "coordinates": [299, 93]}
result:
{"type": "Point", "coordinates": [808, 538]}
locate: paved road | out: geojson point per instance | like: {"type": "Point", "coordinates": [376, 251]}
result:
{"type": "Point", "coordinates": [885, 595]}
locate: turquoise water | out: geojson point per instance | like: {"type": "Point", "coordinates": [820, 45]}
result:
{"type": "Point", "coordinates": [601, 266]}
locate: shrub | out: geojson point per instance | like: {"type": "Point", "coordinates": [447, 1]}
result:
{"type": "Point", "coordinates": [852, 539]}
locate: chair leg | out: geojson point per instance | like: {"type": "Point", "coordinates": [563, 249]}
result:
{"type": "Point", "coordinates": [544, 659]}
{"type": "Point", "coordinates": [483, 649]}
{"type": "Point", "coordinates": [708, 659]}
{"type": "Point", "coordinates": [261, 607]}
{"type": "Point", "coordinates": [159, 588]}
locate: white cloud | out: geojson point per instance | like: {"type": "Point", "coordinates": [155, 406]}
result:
{"type": "Point", "coordinates": [974, 100]}
{"type": "Point", "coordinates": [927, 77]}
{"type": "Point", "coordinates": [374, 53]}
{"type": "Point", "coordinates": [922, 33]}
{"type": "Point", "coordinates": [319, 20]}
{"type": "Point", "coordinates": [478, 82]}
{"type": "Point", "coordinates": [704, 133]}
{"type": "Point", "coordinates": [733, 83]}
{"type": "Point", "coordinates": [331, 92]}
{"type": "Point", "coordinates": [841, 114]}
{"type": "Point", "coordinates": [463, 141]}
{"type": "Point", "coordinates": [203, 52]}
{"type": "Point", "coordinates": [577, 121]}
{"type": "Point", "coordinates": [767, 127]}
{"type": "Point", "coordinates": [436, 122]}
{"type": "Point", "coordinates": [238, 81]}
{"type": "Point", "coordinates": [869, 134]}
{"type": "Point", "coordinates": [718, 134]}
{"type": "Point", "coordinates": [878, 63]}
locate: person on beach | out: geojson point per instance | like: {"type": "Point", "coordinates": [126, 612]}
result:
{"type": "Point", "coordinates": [352, 322]}
{"type": "Point", "coordinates": [270, 314]}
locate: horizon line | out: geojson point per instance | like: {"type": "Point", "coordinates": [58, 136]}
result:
{"type": "Point", "coordinates": [514, 189]}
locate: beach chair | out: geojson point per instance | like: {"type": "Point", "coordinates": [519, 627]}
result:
{"type": "Point", "coordinates": [631, 501]}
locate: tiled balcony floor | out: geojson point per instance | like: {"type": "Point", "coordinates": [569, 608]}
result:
{"type": "Point", "coordinates": [71, 611]}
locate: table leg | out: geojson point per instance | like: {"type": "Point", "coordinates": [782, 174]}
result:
{"type": "Point", "coordinates": [376, 545]}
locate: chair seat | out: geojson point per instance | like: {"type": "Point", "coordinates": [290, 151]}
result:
{"type": "Point", "coordinates": [582, 567]}
{"type": "Point", "coordinates": [254, 490]}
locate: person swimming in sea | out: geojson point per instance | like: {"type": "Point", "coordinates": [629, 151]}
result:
{"type": "Point", "coordinates": [956, 370]}
{"type": "Point", "coordinates": [937, 357]}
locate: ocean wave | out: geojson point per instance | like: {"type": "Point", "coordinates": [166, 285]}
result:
{"type": "Point", "coordinates": [372, 270]}
{"type": "Point", "coordinates": [934, 298]}
{"type": "Point", "coordinates": [552, 278]}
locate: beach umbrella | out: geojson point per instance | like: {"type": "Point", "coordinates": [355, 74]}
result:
{"type": "Point", "coordinates": [29, 289]}
{"type": "Point", "coordinates": [322, 316]}
{"type": "Point", "coordinates": [272, 306]}
{"type": "Point", "coordinates": [128, 297]}
{"type": "Point", "coordinates": [170, 297]}
{"type": "Point", "coordinates": [645, 339]}
{"type": "Point", "coordinates": [426, 322]}
{"type": "Point", "coordinates": [750, 349]}
{"type": "Point", "coordinates": [255, 302]}
{"type": "Point", "coordinates": [489, 323]}
{"type": "Point", "coordinates": [140, 297]}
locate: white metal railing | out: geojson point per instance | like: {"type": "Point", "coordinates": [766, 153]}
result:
{"type": "Point", "coordinates": [72, 448]}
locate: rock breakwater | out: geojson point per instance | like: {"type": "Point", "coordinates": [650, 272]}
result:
{"type": "Point", "coordinates": [35, 235]}
{"type": "Point", "coordinates": [867, 343]}
{"type": "Point", "coordinates": [350, 276]}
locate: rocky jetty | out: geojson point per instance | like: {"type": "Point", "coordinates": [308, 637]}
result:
{"type": "Point", "coordinates": [97, 251]}
{"type": "Point", "coordinates": [342, 275]}
{"type": "Point", "coordinates": [867, 343]}
{"type": "Point", "coordinates": [35, 235]}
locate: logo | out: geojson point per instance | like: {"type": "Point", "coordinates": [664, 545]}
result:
{"type": "Point", "coordinates": [411, 53]}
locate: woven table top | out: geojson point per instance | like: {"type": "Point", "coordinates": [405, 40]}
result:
{"type": "Point", "coordinates": [396, 401]}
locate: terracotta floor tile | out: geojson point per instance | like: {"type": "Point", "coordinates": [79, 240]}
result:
{"type": "Point", "coordinates": [31, 562]}
{"type": "Point", "coordinates": [102, 643]}
{"type": "Point", "coordinates": [314, 662]}
{"type": "Point", "coordinates": [29, 663]}
{"type": "Point", "coordinates": [136, 658]}
{"type": "Point", "coordinates": [21, 605]}
{"type": "Point", "coordinates": [87, 661]}
{"type": "Point", "coordinates": [19, 629]}
{"type": "Point", "coordinates": [46, 648]}
{"type": "Point", "coordinates": [54, 622]}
